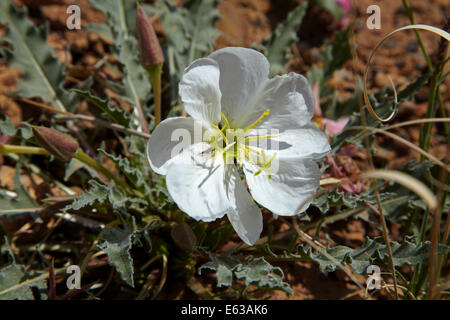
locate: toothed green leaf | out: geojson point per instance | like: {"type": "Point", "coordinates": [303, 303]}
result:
{"type": "Point", "coordinates": [42, 75]}
{"type": "Point", "coordinates": [255, 271]}
{"type": "Point", "coordinates": [278, 45]}
{"type": "Point", "coordinates": [337, 52]}
{"type": "Point", "coordinates": [122, 31]}
{"type": "Point", "coordinates": [102, 194]}
{"type": "Point", "coordinates": [136, 82]}
{"type": "Point", "coordinates": [97, 193]}
{"type": "Point", "coordinates": [332, 6]}
{"type": "Point", "coordinates": [118, 116]}
{"type": "Point", "coordinates": [117, 244]}
{"type": "Point", "coordinates": [133, 174]}
{"type": "Point", "coordinates": [372, 252]}
{"type": "Point", "coordinates": [263, 274]}
{"type": "Point", "coordinates": [334, 197]}
{"type": "Point", "coordinates": [189, 29]}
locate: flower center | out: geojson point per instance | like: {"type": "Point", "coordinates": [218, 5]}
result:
{"type": "Point", "coordinates": [233, 145]}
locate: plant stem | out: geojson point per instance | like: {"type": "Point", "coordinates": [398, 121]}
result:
{"type": "Point", "coordinates": [8, 148]}
{"type": "Point", "coordinates": [80, 155]}
{"type": "Point", "coordinates": [155, 77]}
{"type": "Point", "coordinates": [425, 134]}
{"type": "Point", "coordinates": [86, 159]}
{"type": "Point", "coordinates": [374, 181]}
{"type": "Point", "coordinates": [433, 271]}
{"type": "Point", "coordinates": [419, 38]}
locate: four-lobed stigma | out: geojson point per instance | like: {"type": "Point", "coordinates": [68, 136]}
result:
{"type": "Point", "coordinates": [235, 146]}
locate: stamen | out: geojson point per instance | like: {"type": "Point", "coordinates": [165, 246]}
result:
{"type": "Point", "coordinates": [229, 146]}
{"type": "Point", "coordinates": [254, 124]}
{"type": "Point", "coordinates": [238, 150]}
{"type": "Point", "coordinates": [227, 124]}
{"type": "Point", "coordinates": [221, 133]}
{"type": "Point", "coordinates": [265, 164]}
{"type": "Point", "coordinates": [256, 138]}
{"type": "Point", "coordinates": [251, 149]}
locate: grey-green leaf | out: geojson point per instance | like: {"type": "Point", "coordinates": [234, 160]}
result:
{"type": "Point", "coordinates": [118, 116]}
{"type": "Point", "coordinates": [373, 251]}
{"type": "Point", "coordinates": [10, 205]}
{"type": "Point", "coordinates": [122, 31]}
{"type": "Point", "coordinates": [13, 283]}
{"type": "Point", "coordinates": [42, 73]}
{"type": "Point", "coordinates": [97, 193]}
{"type": "Point", "coordinates": [253, 271]}
{"type": "Point", "coordinates": [277, 46]}
{"type": "Point", "coordinates": [189, 30]}
{"type": "Point", "coordinates": [263, 274]}
{"type": "Point", "coordinates": [117, 244]}
{"type": "Point", "coordinates": [7, 127]}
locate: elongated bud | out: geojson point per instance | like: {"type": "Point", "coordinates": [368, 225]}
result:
{"type": "Point", "coordinates": [150, 50]}
{"type": "Point", "coordinates": [183, 236]}
{"type": "Point", "coordinates": [59, 144]}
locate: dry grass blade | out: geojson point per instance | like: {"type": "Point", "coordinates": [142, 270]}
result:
{"type": "Point", "coordinates": [163, 277]}
{"type": "Point", "coordinates": [417, 121]}
{"type": "Point", "coordinates": [435, 30]}
{"type": "Point", "coordinates": [405, 142]}
{"type": "Point", "coordinates": [407, 181]}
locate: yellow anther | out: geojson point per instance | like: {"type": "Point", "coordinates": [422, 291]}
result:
{"type": "Point", "coordinates": [265, 164]}
{"type": "Point", "coordinates": [254, 124]}
{"type": "Point", "coordinates": [257, 172]}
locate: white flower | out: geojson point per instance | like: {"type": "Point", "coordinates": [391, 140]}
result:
{"type": "Point", "coordinates": [229, 94]}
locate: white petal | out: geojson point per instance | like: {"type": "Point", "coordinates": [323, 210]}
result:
{"type": "Point", "coordinates": [199, 90]}
{"type": "Point", "coordinates": [290, 190]}
{"type": "Point", "coordinates": [290, 101]}
{"type": "Point", "coordinates": [169, 139]}
{"type": "Point", "coordinates": [242, 72]}
{"type": "Point", "coordinates": [196, 184]}
{"type": "Point", "coordinates": [305, 142]}
{"type": "Point", "coordinates": [246, 216]}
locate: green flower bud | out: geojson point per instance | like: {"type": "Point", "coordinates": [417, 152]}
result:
{"type": "Point", "coordinates": [183, 236]}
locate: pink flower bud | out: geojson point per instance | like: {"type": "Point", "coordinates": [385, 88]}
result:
{"type": "Point", "coordinates": [150, 50]}
{"type": "Point", "coordinates": [59, 144]}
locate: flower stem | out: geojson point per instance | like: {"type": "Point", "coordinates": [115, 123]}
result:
{"type": "Point", "coordinates": [79, 155]}
{"type": "Point", "coordinates": [86, 159]}
{"type": "Point", "coordinates": [155, 77]}
{"type": "Point", "coordinates": [8, 148]}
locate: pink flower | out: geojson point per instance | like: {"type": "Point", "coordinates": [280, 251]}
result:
{"type": "Point", "coordinates": [331, 127]}
{"type": "Point", "coordinates": [343, 167]}
{"type": "Point", "coordinates": [346, 5]}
